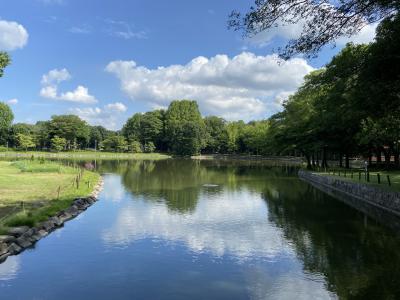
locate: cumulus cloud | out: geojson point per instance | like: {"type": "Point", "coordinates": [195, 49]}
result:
{"type": "Point", "coordinates": [53, 78]}
{"type": "Point", "coordinates": [13, 101]}
{"type": "Point", "coordinates": [12, 35]}
{"type": "Point", "coordinates": [109, 116]}
{"type": "Point", "coordinates": [242, 87]}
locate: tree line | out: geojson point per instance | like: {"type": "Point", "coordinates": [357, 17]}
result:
{"type": "Point", "coordinates": [180, 130]}
{"type": "Point", "coordinates": [349, 108]}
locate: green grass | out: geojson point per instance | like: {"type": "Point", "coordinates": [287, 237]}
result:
{"type": "Point", "coordinates": [86, 155]}
{"type": "Point", "coordinates": [31, 187]}
{"type": "Point", "coordinates": [373, 178]}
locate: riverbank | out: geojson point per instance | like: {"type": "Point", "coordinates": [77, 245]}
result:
{"type": "Point", "coordinates": [38, 196]}
{"type": "Point", "coordinates": [85, 155]}
{"type": "Point", "coordinates": [378, 197]}
{"type": "Point", "coordinates": [278, 159]}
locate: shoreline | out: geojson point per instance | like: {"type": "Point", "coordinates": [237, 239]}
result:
{"type": "Point", "coordinates": [381, 199]}
{"type": "Point", "coordinates": [21, 238]}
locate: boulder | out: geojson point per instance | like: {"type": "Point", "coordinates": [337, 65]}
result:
{"type": "Point", "coordinates": [24, 242]}
{"type": "Point", "coordinates": [4, 257]}
{"type": "Point", "coordinates": [14, 249]}
{"type": "Point", "coordinates": [47, 226]}
{"type": "Point", "coordinates": [66, 217]}
{"type": "Point", "coordinates": [18, 231]}
{"type": "Point", "coordinates": [7, 239]}
{"type": "Point", "coordinates": [56, 221]}
{"type": "Point", "coordinates": [3, 248]}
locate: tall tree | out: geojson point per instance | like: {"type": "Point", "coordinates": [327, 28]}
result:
{"type": "Point", "coordinates": [72, 128]}
{"type": "Point", "coordinates": [6, 118]}
{"type": "Point", "coordinates": [184, 127]}
{"type": "Point", "coordinates": [215, 127]}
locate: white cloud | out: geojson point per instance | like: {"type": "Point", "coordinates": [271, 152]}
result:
{"type": "Point", "coordinates": [13, 101]}
{"type": "Point", "coordinates": [242, 87]}
{"type": "Point", "coordinates": [365, 36]}
{"type": "Point", "coordinates": [84, 29]}
{"type": "Point", "coordinates": [109, 116]}
{"type": "Point", "coordinates": [124, 30]}
{"type": "Point", "coordinates": [53, 78]}
{"type": "Point", "coordinates": [12, 35]}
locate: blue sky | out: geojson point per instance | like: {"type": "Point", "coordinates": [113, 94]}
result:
{"type": "Point", "coordinates": [105, 60]}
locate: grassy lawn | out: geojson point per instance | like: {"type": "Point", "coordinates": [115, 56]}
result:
{"type": "Point", "coordinates": [36, 184]}
{"type": "Point", "coordinates": [373, 178]}
{"type": "Point", "coordinates": [87, 155]}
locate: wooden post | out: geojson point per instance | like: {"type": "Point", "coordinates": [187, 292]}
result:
{"type": "Point", "coordinates": [379, 178]}
{"type": "Point", "coordinates": [359, 175]}
{"type": "Point", "coordinates": [388, 180]}
{"type": "Point", "coordinates": [367, 176]}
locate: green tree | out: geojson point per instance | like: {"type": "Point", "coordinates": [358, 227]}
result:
{"type": "Point", "coordinates": [149, 147]}
{"type": "Point", "coordinates": [4, 62]}
{"type": "Point", "coordinates": [185, 129]}
{"type": "Point", "coordinates": [215, 128]}
{"type": "Point", "coordinates": [115, 143]}
{"type": "Point", "coordinates": [72, 128]}
{"type": "Point", "coordinates": [131, 130]}
{"type": "Point", "coordinates": [58, 143]}
{"type": "Point", "coordinates": [25, 141]}
{"type": "Point", "coordinates": [6, 118]}
{"type": "Point", "coordinates": [135, 147]}
{"type": "Point", "coordinates": [21, 128]}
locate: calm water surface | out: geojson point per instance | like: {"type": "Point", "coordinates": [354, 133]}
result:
{"type": "Point", "coordinates": [182, 229]}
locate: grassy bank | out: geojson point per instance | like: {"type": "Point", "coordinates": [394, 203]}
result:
{"type": "Point", "coordinates": [354, 175]}
{"type": "Point", "coordinates": [31, 191]}
{"type": "Point", "coordinates": [86, 155]}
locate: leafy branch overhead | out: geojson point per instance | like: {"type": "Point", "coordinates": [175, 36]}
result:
{"type": "Point", "coordinates": [322, 21]}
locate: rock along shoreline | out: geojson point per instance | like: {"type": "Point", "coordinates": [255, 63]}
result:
{"type": "Point", "coordinates": [21, 238]}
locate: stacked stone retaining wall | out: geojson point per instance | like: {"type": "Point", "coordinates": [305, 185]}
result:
{"type": "Point", "coordinates": [20, 238]}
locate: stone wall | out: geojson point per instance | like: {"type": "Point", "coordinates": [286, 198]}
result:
{"type": "Point", "coordinates": [386, 200]}
{"type": "Point", "coordinates": [20, 238]}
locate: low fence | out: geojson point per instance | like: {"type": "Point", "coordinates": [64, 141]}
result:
{"type": "Point", "coordinates": [20, 206]}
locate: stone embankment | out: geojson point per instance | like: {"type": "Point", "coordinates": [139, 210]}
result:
{"type": "Point", "coordinates": [378, 197]}
{"type": "Point", "coordinates": [20, 238]}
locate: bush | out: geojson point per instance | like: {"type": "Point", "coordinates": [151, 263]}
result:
{"type": "Point", "coordinates": [149, 147]}
{"type": "Point", "coordinates": [3, 149]}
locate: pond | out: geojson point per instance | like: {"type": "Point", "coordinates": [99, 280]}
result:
{"type": "Point", "coordinates": [184, 229]}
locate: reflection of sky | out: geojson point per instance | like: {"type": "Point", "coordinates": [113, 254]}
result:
{"type": "Point", "coordinates": [234, 223]}
{"type": "Point", "coordinates": [9, 268]}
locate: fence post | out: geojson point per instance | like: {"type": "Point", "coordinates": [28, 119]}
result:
{"type": "Point", "coordinates": [388, 180]}
{"type": "Point", "coordinates": [379, 178]}
{"type": "Point", "coordinates": [359, 175]}
{"type": "Point", "coordinates": [367, 176]}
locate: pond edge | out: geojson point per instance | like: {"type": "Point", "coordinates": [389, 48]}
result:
{"type": "Point", "coordinates": [22, 238]}
{"type": "Point", "coordinates": [382, 199]}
